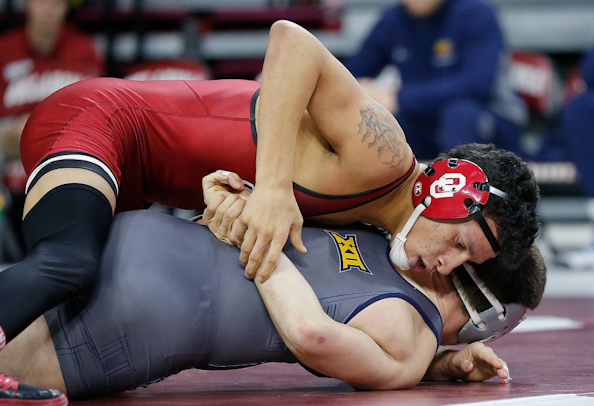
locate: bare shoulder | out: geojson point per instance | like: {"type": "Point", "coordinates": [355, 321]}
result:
{"type": "Point", "coordinates": [399, 329]}
{"type": "Point", "coordinates": [380, 133]}
{"type": "Point", "coordinates": [372, 151]}
{"type": "Point", "coordinates": [377, 153]}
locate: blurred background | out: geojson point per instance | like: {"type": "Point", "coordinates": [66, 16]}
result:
{"type": "Point", "coordinates": [542, 44]}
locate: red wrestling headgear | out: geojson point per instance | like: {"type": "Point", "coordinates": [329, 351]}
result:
{"type": "Point", "coordinates": [449, 189]}
{"type": "Point", "coordinates": [458, 189]}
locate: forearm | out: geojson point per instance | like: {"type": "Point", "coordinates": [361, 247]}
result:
{"type": "Point", "coordinates": [474, 363]}
{"type": "Point", "coordinates": [290, 302]}
{"type": "Point", "coordinates": [328, 347]}
{"type": "Point", "coordinates": [291, 71]}
{"type": "Point", "coordinates": [440, 367]}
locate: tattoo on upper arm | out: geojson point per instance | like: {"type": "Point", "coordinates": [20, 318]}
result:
{"type": "Point", "coordinates": [380, 130]}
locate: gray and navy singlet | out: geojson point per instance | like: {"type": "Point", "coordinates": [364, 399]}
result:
{"type": "Point", "coordinates": [170, 296]}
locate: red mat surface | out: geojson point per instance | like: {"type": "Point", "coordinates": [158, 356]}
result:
{"type": "Point", "coordinates": [541, 363]}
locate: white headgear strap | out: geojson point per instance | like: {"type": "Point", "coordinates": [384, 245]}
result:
{"type": "Point", "coordinates": [397, 252]}
{"type": "Point", "coordinates": [474, 315]}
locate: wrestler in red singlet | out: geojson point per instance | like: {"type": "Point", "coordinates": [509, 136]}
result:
{"type": "Point", "coordinates": [159, 139]}
{"type": "Point", "coordinates": [153, 142]}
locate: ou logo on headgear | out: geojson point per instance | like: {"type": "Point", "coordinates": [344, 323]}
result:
{"type": "Point", "coordinates": [447, 185]}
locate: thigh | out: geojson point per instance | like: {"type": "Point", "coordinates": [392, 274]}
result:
{"type": "Point", "coordinates": [64, 176]}
{"type": "Point", "coordinates": [32, 358]}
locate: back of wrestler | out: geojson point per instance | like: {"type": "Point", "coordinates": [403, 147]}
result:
{"type": "Point", "coordinates": [106, 145]}
{"type": "Point", "coordinates": [170, 296]}
{"type": "Point", "coordinates": [154, 140]}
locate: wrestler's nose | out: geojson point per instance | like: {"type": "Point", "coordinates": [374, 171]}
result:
{"type": "Point", "coordinates": [446, 263]}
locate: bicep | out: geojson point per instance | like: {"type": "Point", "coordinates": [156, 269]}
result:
{"type": "Point", "coordinates": [358, 129]}
{"type": "Point", "coordinates": [337, 100]}
{"type": "Point", "coordinates": [328, 347]}
{"type": "Point", "coordinates": [399, 331]}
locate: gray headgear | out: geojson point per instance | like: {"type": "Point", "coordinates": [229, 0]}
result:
{"type": "Point", "coordinates": [491, 323]}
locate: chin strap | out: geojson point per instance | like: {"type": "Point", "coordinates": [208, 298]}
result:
{"type": "Point", "coordinates": [474, 315]}
{"type": "Point", "coordinates": [397, 252]}
{"type": "Point", "coordinates": [498, 192]}
{"type": "Point", "coordinates": [486, 292]}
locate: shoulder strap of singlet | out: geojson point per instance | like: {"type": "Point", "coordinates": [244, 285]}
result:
{"type": "Point", "coordinates": [424, 306]}
{"type": "Point", "coordinates": [426, 317]}
{"type": "Point", "coordinates": [315, 204]}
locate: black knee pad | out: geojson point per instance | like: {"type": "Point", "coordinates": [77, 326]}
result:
{"type": "Point", "coordinates": [65, 233]}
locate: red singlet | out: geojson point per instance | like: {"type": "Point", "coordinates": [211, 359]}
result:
{"type": "Point", "coordinates": [159, 138]}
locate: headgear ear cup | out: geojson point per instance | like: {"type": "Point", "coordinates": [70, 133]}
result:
{"type": "Point", "coordinates": [489, 324]}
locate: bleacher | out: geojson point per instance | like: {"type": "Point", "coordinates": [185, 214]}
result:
{"type": "Point", "coordinates": [230, 36]}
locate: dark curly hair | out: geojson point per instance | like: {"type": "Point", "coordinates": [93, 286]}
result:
{"type": "Point", "coordinates": [516, 219]}
{"type": "Point", "coordinates": [524, 283]}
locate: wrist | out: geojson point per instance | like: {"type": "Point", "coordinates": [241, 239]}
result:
{"type": "Point", "coordinates": [273, 182]}
{"type": "Point", "coordinates": [441, 368]}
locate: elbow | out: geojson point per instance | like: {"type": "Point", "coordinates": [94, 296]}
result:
{"type": "Point", "coordinates": [380, 387]}
{"type": "Point", "coordinates": [290, 36]}
{"type": "Point", "coordinates": [291, 45]}
{"type": "Point", "coordinates": [283, 28]}
{"type": "Point", "coordinates": [309, 340]}
{"type": "Point", "coordinates": [393, 383]}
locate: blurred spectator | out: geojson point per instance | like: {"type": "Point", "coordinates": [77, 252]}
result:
{"type": "Point", "coordinates": [37, 59]}
{"type": "Point", "coordinates": [577, 124]}
{"type": "Point", "coordinates": [176, 69]}
{"type": "Point", "coordinates": [453, 66]}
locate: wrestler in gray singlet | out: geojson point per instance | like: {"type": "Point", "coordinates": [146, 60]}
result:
{"type": "Point", "coordinates": [170, 296]}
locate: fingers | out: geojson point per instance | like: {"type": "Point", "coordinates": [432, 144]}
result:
{"type": "Point", "coordinates": [226, 213]}
{"type": "Point", "coordinates": [260, 254]}
{"type": "Point", "coordinates": [503, 372]}
{"type": "Point", "coordinates": [246, 245]}
{"type": "Point", "coordinates": [211, 208]}
{"type": "Point", "coordinates": [232, 213]}
{"type": "Point", "coordinates": [221, 181]}
{"type": "Point", "coordinates": [255, 256]}
{"type": "Point", "coordinates": [269, 216]}
{"type": "Point", "coordinates": [465, 366]}
{"type": "Point", "coordinates": [295, 236]}
{"type": "Point", "coordinates": [229, 178]}
{"type": "Point", "coordinates": [237, 235]}
{"type": "Point", "coordinates": [487, 364]}
{"type": "Point", "coordinates": [268, 264]}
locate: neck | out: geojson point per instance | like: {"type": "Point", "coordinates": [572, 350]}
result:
{"type": "Point", "coordinates": [393, 210]}
{"type": "Point", "coordinates": [429, 285]}
{"type": "Point", "coordinates": [42, 41]}
{"type": "Point", "coordinates": [439, 289]}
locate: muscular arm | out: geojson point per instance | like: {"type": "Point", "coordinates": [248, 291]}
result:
{"type": "Point", "coordinates": [474, 363]}
{"type": "Point", "coordinates": [332, 348]}
{"type": "Point", "coordinates": [300, 73]}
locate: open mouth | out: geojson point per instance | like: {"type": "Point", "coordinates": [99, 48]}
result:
{"type": "Point", "coordinates": [418, 265]}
